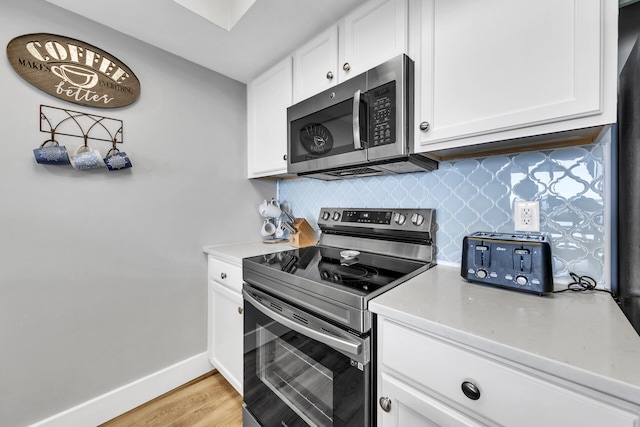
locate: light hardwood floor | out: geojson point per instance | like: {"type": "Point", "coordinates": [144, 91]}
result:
{"type": "Point", "coordinates": [206, 401]}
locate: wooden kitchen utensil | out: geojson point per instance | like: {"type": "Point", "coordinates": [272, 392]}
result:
{"type": "Point", "coordinates": [305, 234]}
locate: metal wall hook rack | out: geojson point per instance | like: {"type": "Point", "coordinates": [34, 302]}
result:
{"type": "Point", "coordinates": [59, 121]}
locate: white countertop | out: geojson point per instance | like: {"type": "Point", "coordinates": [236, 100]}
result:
{"type": "Point", "coordinates": [234, 252]}
{"type": "Point", "coordinates": [580, 336]}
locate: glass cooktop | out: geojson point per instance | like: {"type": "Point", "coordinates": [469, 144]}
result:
{"type": "Point", "coordinates": [360, 272]}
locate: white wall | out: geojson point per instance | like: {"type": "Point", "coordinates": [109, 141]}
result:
{"type": "Point", "coordinates": [102, 277]}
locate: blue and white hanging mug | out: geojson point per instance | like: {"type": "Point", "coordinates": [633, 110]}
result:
{"type": "Point", "coordinates": [117, 160]}
{"type": "Point", "coordinates": [86, 158]}
{"type": "Point", "coordinates": [50, 153]}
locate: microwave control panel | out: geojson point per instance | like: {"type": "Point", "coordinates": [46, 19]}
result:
{"type": "Point", "coordinates": [382, 115]}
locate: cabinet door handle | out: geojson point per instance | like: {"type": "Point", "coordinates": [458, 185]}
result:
{"type": "Point", "coordinates": [424, 126]}
{"type": "Point", "coordinates": [223, 276]}
{"type": "Point", "coordinates": [240, 310]}
{"type": "Point", "coordinates": [385, 404]}
{"type": "Point", "coordinates": [346, 66]}
{"type": "Point", "coordinates": [284, 157]}
{"type": "Point", "coordinates": [471, 390]}
{"type": "Point", "coordinates": [329, 75]}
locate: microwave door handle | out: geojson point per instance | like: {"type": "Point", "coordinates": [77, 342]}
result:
{"type": "Point", "coordinates": [357, 143]}
{"type": "Point", "coordinates": [343, 345]}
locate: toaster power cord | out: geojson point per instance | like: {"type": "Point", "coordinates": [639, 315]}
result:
{"type": "Point", "coordinates": [582, 284]}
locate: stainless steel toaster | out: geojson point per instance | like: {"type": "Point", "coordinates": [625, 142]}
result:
{"type": "Point", "coordinates": [508, 260]}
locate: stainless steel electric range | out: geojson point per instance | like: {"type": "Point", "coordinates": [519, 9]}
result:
{"type": "Point", "coordinates": [307, 343]}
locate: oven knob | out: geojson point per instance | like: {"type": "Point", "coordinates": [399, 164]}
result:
{"type": "Point", "coordinates": [417, 219]}
{"type": "Point", "coordinates": [399, 218]}
{"type": "Point", "coordinates": [521, 280]}
{"type": "Point", "coordinates": [481, 274]}
{"type": "Point", "coordinates": [336, 216]}
{"type": "Point", "coordinates": [326, 215]}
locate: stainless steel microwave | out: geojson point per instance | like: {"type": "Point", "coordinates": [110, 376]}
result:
{"type": "Point", "coordinates": [361, 127]}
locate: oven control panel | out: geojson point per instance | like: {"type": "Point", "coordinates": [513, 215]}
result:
{"type": "Point", "coordinates": [392, 219]}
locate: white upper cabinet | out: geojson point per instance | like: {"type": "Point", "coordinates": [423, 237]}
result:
{"type": "Point", "coordinates": [493, 70]}
{"type": "Point", "coordinates": [268, 98]}
{"type": "Point", "coordinates": [371, 34]}
{"type": "Point", "coordinates": [316, 65]}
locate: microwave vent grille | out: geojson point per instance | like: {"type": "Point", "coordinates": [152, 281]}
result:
{"type": "Point", "coordinates": [355, 171]}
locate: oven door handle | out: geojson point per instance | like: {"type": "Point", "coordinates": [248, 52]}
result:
{"type": "Point", "coordinates": [343, 345]}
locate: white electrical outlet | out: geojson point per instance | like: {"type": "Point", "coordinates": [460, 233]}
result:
{"type": "Point", "coordinates": [526, 216]}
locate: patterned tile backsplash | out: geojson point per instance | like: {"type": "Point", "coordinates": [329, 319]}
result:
{"type": "Point", "coordinates": [478, 195]}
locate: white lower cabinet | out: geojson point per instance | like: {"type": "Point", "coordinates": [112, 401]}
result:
{"type": "Point", "coordinates": [422, 381]}
{"type": "Point", "coordinates": [410, 407]}
{"type": "Point", "coordinates": [225, 320]}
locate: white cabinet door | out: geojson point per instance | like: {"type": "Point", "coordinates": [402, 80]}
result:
{"type": "Point", "coordinates": [226, 332]}
{"type": "Point", "coordinates": [370, 35]}
{"type": "Point", "coordinates": [268, 97]}
{"type": "Point", "coordinates": [409, 407]}
{"type": "Point", "coordinates": [495, 66]}
{"type": "Point", "coordinates": [429, 366]}
{"type": "Point", "coordinates": [315, 65]}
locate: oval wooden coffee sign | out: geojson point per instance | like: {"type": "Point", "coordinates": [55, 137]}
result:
{"type": "Point", "coordinates": [73, 70]}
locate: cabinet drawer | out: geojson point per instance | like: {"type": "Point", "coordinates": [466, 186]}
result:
{"type": "Point", "coordinates": [226, 274]}
{"type": "Point", "coordinates": [508, 396]}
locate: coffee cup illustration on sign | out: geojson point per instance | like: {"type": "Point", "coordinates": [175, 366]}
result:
{"type": "Point", "coordinates": [76, 76]}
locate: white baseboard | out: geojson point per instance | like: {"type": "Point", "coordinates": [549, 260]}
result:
{"type": "Point", "coordinates": [116, 402]}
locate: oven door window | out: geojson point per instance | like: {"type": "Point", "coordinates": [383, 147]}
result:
{"type": "Point", "coordinates": [293, 380]}
{"type": "Point", "coordinates": [288, 367]}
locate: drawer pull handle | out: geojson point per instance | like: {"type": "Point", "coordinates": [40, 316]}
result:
{"type": "Point", "coordinates": [471, 390]}
{"type": "Point", "coordinates": [239, 310]}
{"type": "Point", "coordinates": [385, 404]}
{"type": "Point", "coordinates": [223, 276]}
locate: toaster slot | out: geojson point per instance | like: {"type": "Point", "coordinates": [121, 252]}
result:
{"type": "Point", "coordinates": [483, 256]}
{"type": "Point", "coordinates": [522, 260]}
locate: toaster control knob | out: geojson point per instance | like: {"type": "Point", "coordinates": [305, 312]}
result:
{"type": "Point", "coordinates": [481, 274]}
{"type": "Point", "coordinates": [326, 215]}
{"type": "Point", "coordinates": [399, 218]}
{"type": "Point", "coordinates": [417, 219]}
{"type": "Point", "coordinates": [336, 216]}
{"type": "Point", "coordinates": [521, 280]}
